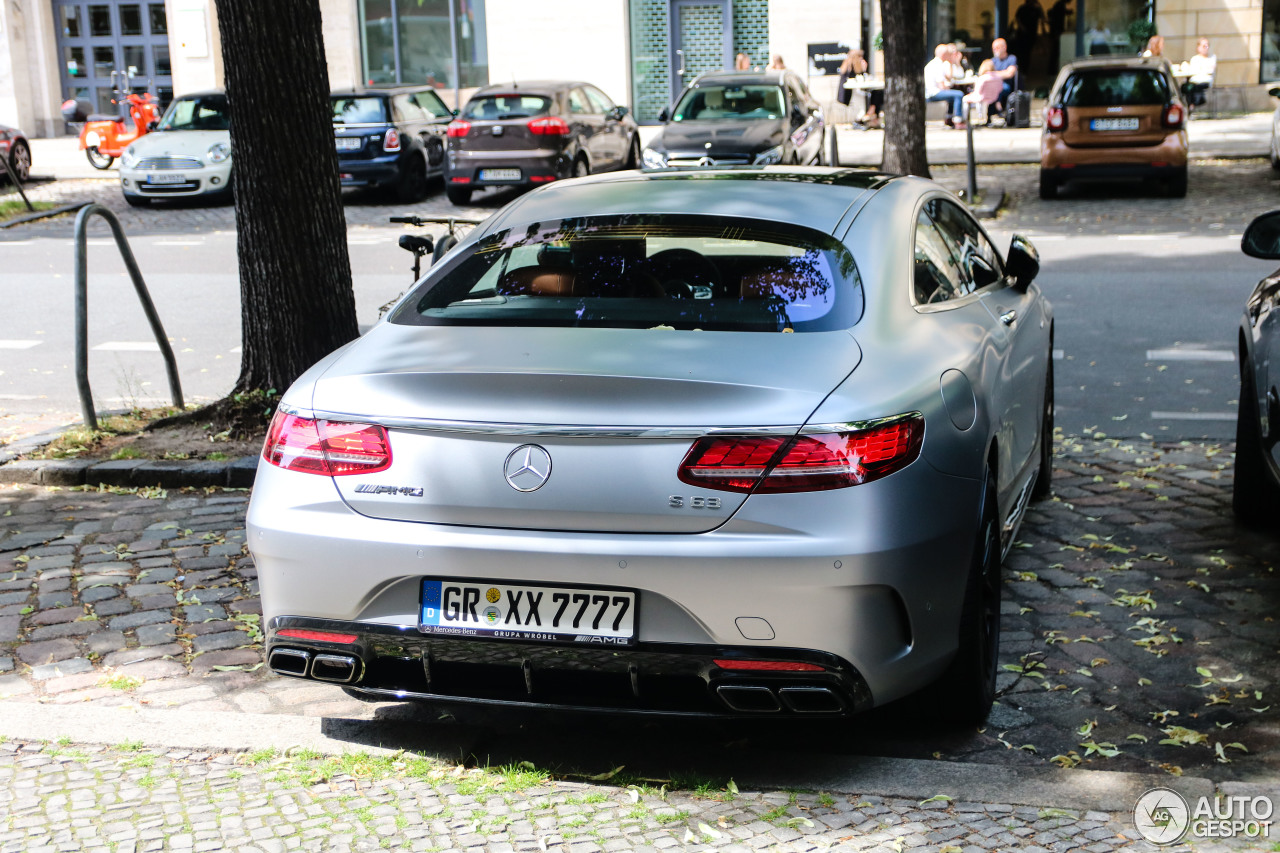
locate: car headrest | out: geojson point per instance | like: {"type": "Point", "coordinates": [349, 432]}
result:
{"type": "Point", "coordinates": [536, 281]}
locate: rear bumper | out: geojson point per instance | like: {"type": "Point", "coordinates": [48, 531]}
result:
{"type": "Point", "coordinates": [397, 663]}
{"type": "Point", "coordinates": [468, 165]}
{"type": "Point", "coordinates": [1114, 162]}
{"type": "Point", "coordinates": [380, 171]}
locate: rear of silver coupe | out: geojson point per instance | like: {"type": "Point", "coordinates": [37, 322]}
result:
{"type": "Point", "coordinates": [672, 443]}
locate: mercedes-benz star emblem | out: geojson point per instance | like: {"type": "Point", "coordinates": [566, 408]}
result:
{"type": "Point", "coordinates": [528, 467]}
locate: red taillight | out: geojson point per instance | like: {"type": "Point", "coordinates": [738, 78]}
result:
{"type": "Point", "coordinates": [330, 448]}
{"type": "Point", "coordinates": [807, 463]}
{"type": "Point", "coordinates": [319, 636]}
{"type": "Point", "coordinates": [391, 142]}
{"type": "Point", "coordinates": [549, 126]}
{"type": "Point", "coordinates": [541, 179]}
{"type": "Point", "coordinates": [768, 665]}
{"type": "Point", "coordinates": [460, 179]}
{"type": "Point", "coordinates": [1055, 118]}
{"type": "Point", "coordinates": [1173, 116]}
{"type": "Point", "coordinates": [459, 129]}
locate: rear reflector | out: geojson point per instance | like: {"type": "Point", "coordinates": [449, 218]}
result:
{"type": "Point", "coordinates": [331, 448]}
{"type": "Point", "coordinates": [318, 636]}
{"type": "Point", "coordinates": [549, 126]}
{"type": "Point", "coordinates": [541, 179]}
{"type": "Point", "coordinates": [768, 665]}
{"type": "Point", "coordinates": [807, 463]}
{"type": "Point", "coordinates": [460, 180]}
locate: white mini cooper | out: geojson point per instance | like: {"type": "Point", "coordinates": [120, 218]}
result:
{"type": "Point", "coordinates": [188, 153]}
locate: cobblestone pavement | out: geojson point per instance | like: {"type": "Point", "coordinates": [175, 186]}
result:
{"type": "Point", "coordinates": [67, 797]}
{"type": "Point", "coordinates": [1223, 196]}
{"type": "Point", "coordinates": [1138, 623]}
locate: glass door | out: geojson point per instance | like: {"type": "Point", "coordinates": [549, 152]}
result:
{"type": "Point", "coordinates": [701, 40]}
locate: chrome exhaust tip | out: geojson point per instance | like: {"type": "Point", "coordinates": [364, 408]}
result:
{"type": "Point", "coordinates": [338, 668]}
{"type": "Point", "coordinates": [291, 662]}
{"type": "Point", "coordinates": [749, 699]}
{"type": "Point", "coordinates": [811, 700]}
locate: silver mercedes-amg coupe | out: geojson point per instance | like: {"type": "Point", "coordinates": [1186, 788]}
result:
{"type": "Point", "coordinates": [746, 441]}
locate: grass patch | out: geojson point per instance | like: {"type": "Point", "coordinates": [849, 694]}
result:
{"type": "Point", "coordinates": [671, 818]}
{"type": "Point", "coordinates": [120, 682]}
{"type": "Point", "coordinates": [127, 452]}
{"type": "Point", "coordinates": [80, 440]}
{"type": "Point", "coordinates": [11, 208]}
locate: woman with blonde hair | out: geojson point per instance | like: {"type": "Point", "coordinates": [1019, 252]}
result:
{"type": "Point", "coordinates": [854, 66]}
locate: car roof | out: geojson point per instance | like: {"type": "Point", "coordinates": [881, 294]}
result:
{"type": "Point", "coordinates": [361, 92]}
{"type": "Point", "coordinates": [812, 197]}
{"type": "Point", "coordinates": [532, 87]}
{"type": "Point", "coordinates": [204, 93]}
{"type": "Point", "coordinates": [1155, 63]}
{"type": "Point", "coordinates": [740, 78]}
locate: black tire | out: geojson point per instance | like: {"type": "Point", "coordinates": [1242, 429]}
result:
{"type": "Point", "coordinates": [412, 186]}
{"type": "Point", "coordinates": [1048, 185]}
{"type": "Point", "coordinates": [1275, 154]}
{"type": "Point", "coordinates": [833, 148]}
{"type": "Point", "coordinates": [97, 159]}
{"type": "Point", "coordinates": [137, 200]}
{"type": "Point", "coordinates": [964, 694]}
{"type": "Point", "coordinates": [458, 195]}
{"type": "Point", "coordinates": [1177, 185]}
{"type": "Point", "coordinates": [443, 245]}
{"type": "Point", "coordinates": [20, 162]}
{"type": "Point", "coordinates": [1044, 479]}
{"type": "Point", "coordinates": [1255, 497]}
{"type": "Point", "coordinates": [633, 156]}
{"type": "Point", "coordinates": [580, 168]}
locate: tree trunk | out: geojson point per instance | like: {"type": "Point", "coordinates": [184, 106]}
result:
{"type": "Point", "coordinates": [296, 301]}
{"type": "Point", "coordinates": [904, 60]}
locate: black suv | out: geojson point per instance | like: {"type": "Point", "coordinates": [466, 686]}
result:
{"type": "Point", "coordinates": [390, 138]}
{"type": "Point", "coordinates": [524, 134]}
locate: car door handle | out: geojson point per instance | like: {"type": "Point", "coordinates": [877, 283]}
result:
{"type": "Point", "coordinates": [1009, 317]}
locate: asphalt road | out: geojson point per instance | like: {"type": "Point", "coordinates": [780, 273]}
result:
{"type": "Point", "coordinates": [1148, 294]}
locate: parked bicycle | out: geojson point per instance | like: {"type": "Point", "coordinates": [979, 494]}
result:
{"type": "Point", "coordinates": [456, 227]}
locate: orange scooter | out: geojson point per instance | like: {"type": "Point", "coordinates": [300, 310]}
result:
{"type": "Point", "coordinates": [104, 138]}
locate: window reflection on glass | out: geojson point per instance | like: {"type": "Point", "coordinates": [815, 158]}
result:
{"type": "Point", "coordinates": [105, 101]}
{"type": "Point", "coordinates": [379, 43]}
{"type": "Point", "coordinates": [161, 55]}
{"type": "Point", "coordinates": [473, 57]}
{"type": "Point", "coordinates": [71, 21]}
{"type": "Point", "coordinates": [426, 56]}
{"type": "Point", "coordinates": [1106, 25]}
{"type": "Point", "coordinates": [79, 93]}
{"type": "Point", "coordinates": [74, 57]}
{"type": "Point", "coordinates": [131, 20]}
{"type": "Point", "coordinates": [104, 61]}
{"type": "Point", "coordinates": [1270, 69]}
{"type": "Point", "coordinates": [135, 60]}
{"type": "Point", "coordinates": [159, 23]}
{"type": "Point", "coordinates": [100, 20]}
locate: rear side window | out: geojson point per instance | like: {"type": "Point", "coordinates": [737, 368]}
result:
{"type": "Point", "coordinates": [359, 110]}
{"type": "Point", "coordinates": [1115, 88]}
{"type": "Point", "coordinates": [207, 112]}
{"type": "Point", "coordinates": [430, 103]}
{"type": "Point", "coordinates": [497, 107]}
{"type": "Point", "coordinates": [646, 272]}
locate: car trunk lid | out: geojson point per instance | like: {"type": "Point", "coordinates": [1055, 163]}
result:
{"type": "Point", "coordinates": [472, 411]}
{"type": "Point", "coordinates": [1115, 126]}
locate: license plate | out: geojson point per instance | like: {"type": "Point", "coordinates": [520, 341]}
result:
{"type": "Point", "coordinates": [511, 611]}
{"type": "Point", "coordinates": [499, 174]}
{"type": "Point", "coordinates": [1113, 124]}
{"type": "Point", "coordinates": [348, 143]}
{"type": "Point", "coordinates": [166, 179]}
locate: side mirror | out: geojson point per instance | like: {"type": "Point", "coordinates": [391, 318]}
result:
{"type": "Point", "coordinates": [1023, 262]}
{"type": "Point", "coordinates": [453, 112]}
{"type": "Point", "coordinates": [1274, 91]}
{"type": "Point", "coordinates": [152, 125]}
{"type": "Point", "coordinates": [618, 113]}
{"type": "Point", "coordinates": [1262, 238]}
{"type": "Point", "coordinates": [664, 116]}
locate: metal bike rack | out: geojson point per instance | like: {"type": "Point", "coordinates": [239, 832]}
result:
{"type": "Point", "coordinates": [82, 310]}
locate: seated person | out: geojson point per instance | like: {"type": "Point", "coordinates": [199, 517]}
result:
{"type": "Point", "coordinates": [1202, 67]}
{"type": "Point", "coordinates": [937, 84]}
{"type": "Point", "coordinates": [1005, 64]}
{"type": "Point", "coordinates": [987, 88]}
{"type": "Point", "coordinates": [855, 66]}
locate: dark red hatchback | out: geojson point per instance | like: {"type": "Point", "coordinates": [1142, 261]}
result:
{"type": "Point", "coordinates": [524, 134]}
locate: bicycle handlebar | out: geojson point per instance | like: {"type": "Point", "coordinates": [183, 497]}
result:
{"type": "Point", "coordinates": [418, 221]}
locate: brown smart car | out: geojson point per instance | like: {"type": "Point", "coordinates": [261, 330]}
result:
{"type": "Point", "coordinates": [1114, 117]}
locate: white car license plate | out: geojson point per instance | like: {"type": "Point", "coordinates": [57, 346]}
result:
{"type": "Point", "coordinates": [1113, 124]}
{"type": "Point", "coordinates": [348, 143]}
{"type": "Point", "coordinates": [166, 179]}
{"type": "Point", "coordinates": [510, 611]}
{"type": "Point", "coordinates": [499, 174]}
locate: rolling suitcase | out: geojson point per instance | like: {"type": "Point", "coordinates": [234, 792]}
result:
{"type": "Point", "coordinates": [1018, 109]}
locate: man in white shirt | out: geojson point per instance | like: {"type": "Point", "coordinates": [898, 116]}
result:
{"type": "Point", "coordinates": [1202, 67]}
{"type": "Point", "coordinates": [937, 84]}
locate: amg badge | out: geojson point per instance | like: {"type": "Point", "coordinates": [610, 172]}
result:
{"type": "Point", "coordinates": [407, 491]}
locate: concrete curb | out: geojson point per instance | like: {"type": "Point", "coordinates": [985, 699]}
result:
{"type": "Point", "coordinates": [224, 731]}
{"type": "Point", "coordinates": [43, 214]}
{"type": "Point", "coordinates": [169, 474]}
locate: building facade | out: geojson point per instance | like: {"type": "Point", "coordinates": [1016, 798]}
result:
{"type": "Point", "coordinates": [638, 51]}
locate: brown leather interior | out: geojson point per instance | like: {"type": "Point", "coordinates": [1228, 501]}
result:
{"type": "Point", "coordinates": [537, 281]}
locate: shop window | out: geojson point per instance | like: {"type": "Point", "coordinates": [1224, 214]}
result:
{"type": "Point", "coordinates": [161, 55]}
{"type": "Point", "coordinates": [426, 54]}
{"type": "Point", "coordinates": [1270, 69]}
{"type": "Point", "coordinates": [131, 20]}
{"type": "Point", "coordinates": [100, 21]}
{"type": "Point", "coordinates": [104, 61]}
{"type": "Point", "coordinates": [409, 41]}
{"type": "Point", "coordinates": [71, 22]}
{"type": "Point", "coordinates": [135, 60]}
{"type": "Point", "coordinates": [379, 43]}
{"type": "Point", "coordinates": [74, 57]}
{"type": "Point", "coordinates": [159, 22]}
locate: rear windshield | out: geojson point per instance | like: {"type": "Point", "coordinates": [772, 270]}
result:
{"type": "Point", "coordinates": [646, 272]}
{"type": "Point", "coordinates": [496, 107]}
{"type": "Point", "coordinates": [361, 110]}
{"type": "Point", "coordinates": [1115, 88]}
{"type": "Point", "coordinates": [205, 112]}
{"type": "Point", "coordinates": [729, 102]}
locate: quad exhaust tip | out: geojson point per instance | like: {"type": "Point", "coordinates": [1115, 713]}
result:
{"type": "Point", "coordinates": [339, 668]}
{"type": "Point", "coordinates": [299, 663]}
{"type": "Point", "coordinates": [759, 699]}
{"type": "Point", "coordinates": [294, 662]}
